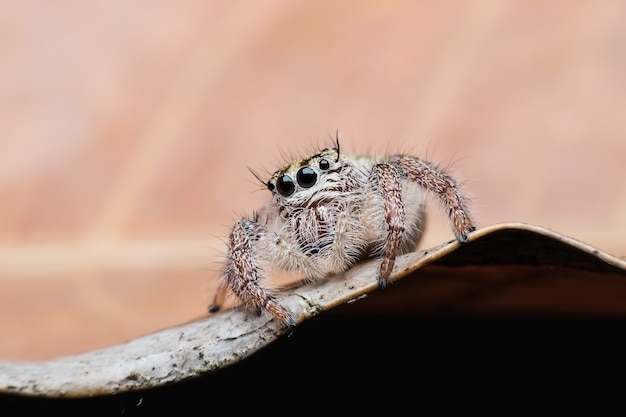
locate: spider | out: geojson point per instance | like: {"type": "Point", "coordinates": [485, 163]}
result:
{"type": "Point", "coordinates": [329, 211]}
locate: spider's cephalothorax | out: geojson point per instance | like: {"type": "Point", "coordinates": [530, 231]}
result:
{"type": "Point", "coordinates": [328, 211]}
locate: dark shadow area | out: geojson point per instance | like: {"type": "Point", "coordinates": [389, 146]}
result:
{"type": "Point", "coordinates": [510, 246]}
{"type": "Point", "coordinates": [341, 363]}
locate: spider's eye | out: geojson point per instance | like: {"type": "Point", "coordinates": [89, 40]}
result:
{"type": "Point", "coordinates": [324, 164]}
{"type": "Point", "coordinates": [270, 186]}
{"type": "Point", "coordinates": [306, 177]}
{"type": "Point", "coordinates": [285, 186]}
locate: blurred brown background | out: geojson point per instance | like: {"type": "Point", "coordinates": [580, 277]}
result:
{"type": "Point", "coordinates": [127, 129]}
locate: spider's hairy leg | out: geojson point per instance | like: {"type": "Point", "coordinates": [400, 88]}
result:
{"type": "Point", "coordinates": [242, 276]}
{"type": "Point", "coordinates": [219, 298]}
{"type": "Point", "coordinates": [387, 181]}
{"type": "Point", "coordinates": [442, 185]}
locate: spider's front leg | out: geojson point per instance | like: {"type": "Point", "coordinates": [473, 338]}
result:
{"type": "Point", "coordinates": [387, 181]}
{"type": "Point", "coordinates": [242, 276]}
{"type": "Point", "coordinates": [387, 178]}
{"type": "Point", "coordinates": [443, 186]}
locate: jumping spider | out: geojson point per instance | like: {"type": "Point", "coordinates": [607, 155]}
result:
{"type": "Point", "coordinates": [329, 211]}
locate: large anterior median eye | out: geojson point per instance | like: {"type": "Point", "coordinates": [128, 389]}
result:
{"type": "Point", "coordinates": [306, 177]}
{"type": "Point", "coordinates": [285, 186]}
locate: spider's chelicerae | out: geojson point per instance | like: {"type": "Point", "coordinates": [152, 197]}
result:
{"type": "Point", "coordinates": [328, 211]}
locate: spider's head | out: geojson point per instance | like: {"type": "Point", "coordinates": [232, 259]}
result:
{"type": "Point", "coordinates": [306, 176]}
